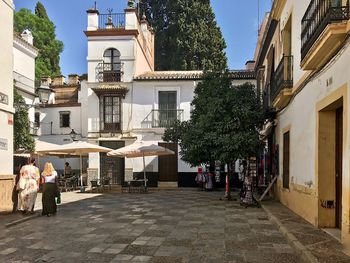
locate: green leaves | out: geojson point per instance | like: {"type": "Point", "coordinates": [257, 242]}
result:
{"type": "Point", "coordinates": [22, 139]}
{"type": "Point", "coordinates": [43, 30]}
{"type": "Point", "coordinates": [224, 122]}
{"type": "Point", "coordinates": [187, 36]}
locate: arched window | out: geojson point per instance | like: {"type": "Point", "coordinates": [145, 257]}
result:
{"type": "Point", "coordinates": [112, 56]}
{"type": "Point", "coordinates": [112, 67]}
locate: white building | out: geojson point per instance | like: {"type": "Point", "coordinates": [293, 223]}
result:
{"type": "Point", "coordinates": [24, 54]}
{"type": "Point", "coordinates": [125, 100]}
{"type": "Point", "coordinates": [303, 68]}
{"type": "Point", "coordinates": [6, 104]}
{"type": "Point", "coordinates": [59, 115]}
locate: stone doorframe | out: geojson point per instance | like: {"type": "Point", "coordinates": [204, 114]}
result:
{"type": "Point", "coordinates": [326, 157]}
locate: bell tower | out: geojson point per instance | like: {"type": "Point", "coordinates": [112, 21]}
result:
{"type": "Point", "coordinates": [120, 45]}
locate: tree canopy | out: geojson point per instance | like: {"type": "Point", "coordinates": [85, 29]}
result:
{"type": "Point", "coordinates": [43, 30]}
{"type": "Point", "coordinates": [224, 122]}
{"type": "Point", "coordinates": [187, 35]}
{"type": "Point", "coordinates": [22, 138]}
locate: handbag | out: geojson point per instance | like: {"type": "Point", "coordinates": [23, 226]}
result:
{"type": "Point", "coordinates": [21, 184]}
{"type": "Point", "coordinates": [58, 196]}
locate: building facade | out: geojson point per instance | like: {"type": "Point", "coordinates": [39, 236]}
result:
{"type": "Point", "coordinates": [302, 62]}
{"type": "Point", "coordinates": [6, 104]}
{"type": "Point", "coordinates": [123, 100]}
{"type": "Point", "coordinates": [24, 54]}
{"type": "Point", "coordinates": [127, 100]}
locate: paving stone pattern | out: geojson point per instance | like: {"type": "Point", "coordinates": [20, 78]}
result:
{"type": "Point", "coordinates": [324, 247]}
{"type": "Point", "coordinates": [167, 226]}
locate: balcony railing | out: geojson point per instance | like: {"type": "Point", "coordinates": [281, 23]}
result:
{"type": "Point", "coordinates": [162, 118]}
{"type": "Point", "coordinates": [282, 77]}
{"type": "Point", "coordinates": [318, 15]}
{"type": "Point", "coordinates": [109, 72]}
{"type": "Point", "coordinates": [266, 97]}
{"type": "Point", "coordinates": [111, 21]}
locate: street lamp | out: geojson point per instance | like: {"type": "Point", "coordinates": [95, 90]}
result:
{"type": "Point", "coordinates": [73, 135]}
{"type": "Point", "coordinates": [44, 93]}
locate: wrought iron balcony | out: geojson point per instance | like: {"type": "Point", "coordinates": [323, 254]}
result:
{"type": "Point", "coordinates": [282, 77]}
{"type": "Point", "coordinates": [318, 15]}
{"type": "Point", "coordinates": [109, 72]}
{"type": "Point", "coordinates": [162, 118]}
{"type": "Point", "coordinates": [111, 21]}
{"type": "Point", "coordinates": [266, 97]}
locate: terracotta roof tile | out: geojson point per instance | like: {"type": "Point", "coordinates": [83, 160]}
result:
{"type": "Point", "coordinates": [190, 75]}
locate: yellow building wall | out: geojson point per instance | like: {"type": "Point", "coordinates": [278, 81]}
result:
{"type": "Point", "coordinates": [300, 199]}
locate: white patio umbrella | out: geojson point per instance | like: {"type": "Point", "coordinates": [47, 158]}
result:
{"type": "Point", "coordinates": [141, 149]}
{"type": "Point", "coordinates": [80, 148]}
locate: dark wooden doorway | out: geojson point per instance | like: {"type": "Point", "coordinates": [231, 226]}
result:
{"type": "Point", "coordinates": [167, 165]}
{"type": "Point", "coordinates": [112, 167]}
{"type": "Point", "coordinates": [338, 166]}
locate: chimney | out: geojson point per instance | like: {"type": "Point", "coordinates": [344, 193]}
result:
{"type": "Point", "coordinates": [45, 81]}
{"type": "Point", "coordinates": [93, 15]}
{"type": "Point", "coordinates": [27, 36]}
{"type": "Point", "coordinates": [58, 80]}
{"type": "Point", "coordinates": [73, 79]}
{"type": "Point", "coordinates": [250, 65]}
{"type": "Point", "coordinates": [131, 20]}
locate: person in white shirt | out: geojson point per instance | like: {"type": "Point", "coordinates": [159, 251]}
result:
{"type": "Point", "coordinates": [50, 190]}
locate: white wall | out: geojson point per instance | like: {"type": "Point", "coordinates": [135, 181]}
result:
{"type": "Point", "coordinates": [24, 65]}
{"type": "Point", "coordinates": [52, 114]}
{"type": "Point", "coordinates": [301, 115]}
{"type": "Point", "coordinates": [97, 47]}
{"type": "Point", "coordinates": [6, 87]}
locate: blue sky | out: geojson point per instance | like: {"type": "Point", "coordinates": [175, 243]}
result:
{"type": "Point", "coordinates": [238, 20]}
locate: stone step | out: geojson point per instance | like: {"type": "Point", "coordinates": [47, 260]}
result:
{"type": "Point", "coordinates": [167, 185]}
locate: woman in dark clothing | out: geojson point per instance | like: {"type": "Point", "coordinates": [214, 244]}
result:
{"type": "Point", "coordinates": [50, 190]}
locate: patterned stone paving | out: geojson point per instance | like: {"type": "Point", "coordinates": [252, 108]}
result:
{"type": "Point", "coordinates": [170, 227]}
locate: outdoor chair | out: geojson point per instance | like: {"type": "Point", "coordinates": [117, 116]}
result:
{"type": "Point", "coordinates": [106, 182]}
{"type": "Point", "coordinates": [94, 185]}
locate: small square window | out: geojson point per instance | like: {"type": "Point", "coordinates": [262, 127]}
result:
{"type": "Point", "coordinates": [65, 119]}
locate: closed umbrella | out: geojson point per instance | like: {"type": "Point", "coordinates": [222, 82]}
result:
{"type": "Point", "coordinates": [141, 149]}
{"type": "Point", "coordinates": [80, 148]}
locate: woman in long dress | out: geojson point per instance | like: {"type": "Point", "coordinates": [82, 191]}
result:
{"type": "Point", "coordinates": [50, 190]}
{"type": "Point", "coordinates": [28, 186]}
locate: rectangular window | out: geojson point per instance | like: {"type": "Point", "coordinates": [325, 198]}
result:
{"type": "Point", "coordinates": [167, 108]}
{"type": "Point", "coordinates": [111, 113]}
{"type": "Point", "coordinates": [286, 158]}
{"type": "Point", "coordinates": [64, 119]}
{"type": "Point", "coordinates": [37, 119]}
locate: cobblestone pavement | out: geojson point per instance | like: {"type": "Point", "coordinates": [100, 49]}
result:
{"type": "Point", "coordinates": [323, 247]}
{"type": "Point", "coordinates": [167, 226]}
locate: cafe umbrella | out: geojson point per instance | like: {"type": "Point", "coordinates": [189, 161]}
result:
{"type": "Point", "coordinates": [80, 148]}
{"type": "Point", "coordinates": [141, 149]}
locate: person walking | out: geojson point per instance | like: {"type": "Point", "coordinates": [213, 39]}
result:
{"type": "Point", "coordinates": [50, 190]}
{"type": "Point", "coordinates": [28, 186]}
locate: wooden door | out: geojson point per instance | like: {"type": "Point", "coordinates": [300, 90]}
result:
{"type": "Point", "coordinates": [338, 166]}
{"type": "Point", "coordinates": [167, 165]}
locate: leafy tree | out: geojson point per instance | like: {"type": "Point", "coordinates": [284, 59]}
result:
{"type": "Point", "coordinates": [187, 35]}
{"type": "Point", "coordinates": [43, 30]}
{"type": "Point", "coordinates": [40, 11]}
{"type": "Point", "coordinates": [224, 122]}
{"type": "Point", "coordinates": [22, 138]}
